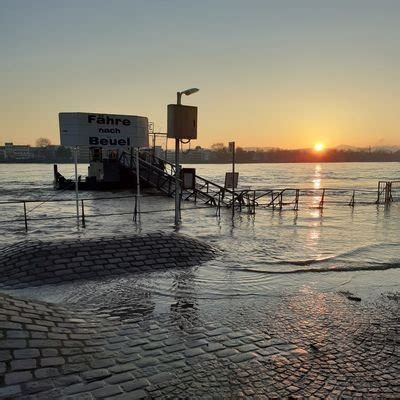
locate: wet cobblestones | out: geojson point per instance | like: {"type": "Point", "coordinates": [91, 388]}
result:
{"type": "Point", "coordinates": [306, 345]}
{"type": "Point", "coordinates": [28, 264]}
{"type": "Point", "coordinates": [320, 345]}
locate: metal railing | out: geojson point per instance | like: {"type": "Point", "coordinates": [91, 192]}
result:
{"type": "Point", "coordinates": [27, 219]}
{"type": "Point", "coordinates": [387, 191]}
{"type": "Point", "coordinates": [161, 174]}
{"type": "Point", "coordinates": [246, 200]}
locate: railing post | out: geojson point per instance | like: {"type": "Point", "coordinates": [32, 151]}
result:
{"type": "Point", "coordinates": [388, 193]}
{"type": "Point", "coordinates": [321, 203]}
{"type": "Point", "coordinates": [379, 193]}
{"type": "Point", "coordinates": [83, 215]}
{"type": "Point", "coordinates": [25, 218]}
{"type": "Point", "coordinates": [352, 201]}
{"type": "Point", "coordinates": [296, 201]}
{"type": "Point", "coordinates": [220, 204]}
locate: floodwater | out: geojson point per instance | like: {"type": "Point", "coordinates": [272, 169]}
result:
{"type": "Point", "coordinates": [267, 254]}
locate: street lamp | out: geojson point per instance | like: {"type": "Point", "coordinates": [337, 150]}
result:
{"type": "Point", "coordinates": [186, 92]}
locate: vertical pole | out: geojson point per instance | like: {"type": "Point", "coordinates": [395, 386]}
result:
{"type": "Point", "coordinates": [131, 157]}
{"type": "Point", "coordinates": [83, 215]}
{"type": "Point", "coordinates": [55, 171]}
{"type": "Point", "coordinates": [76, 185]}
{"type": "Point", "coordinates": [177, 195]}
{"type": "Point", "coordinates": [233, 178]}
{"type": "Point", "coordinates": [219, 205]}
{"type": "Point", "coordinates": [352, 201]}
{"type": "Point", "coordinates": [137, 186]}
{"type": "Point", "coordinates": [135, 211]}
{"type": "Point", "coordinates": [380, 192]}
{"type": "Point", "coordinates": [25, 218]}
{"type": "Point", "coordinates": [321, 203]}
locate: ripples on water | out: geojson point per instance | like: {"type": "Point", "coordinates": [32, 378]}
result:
{"type": "Point", "coordinates": [262, 255]}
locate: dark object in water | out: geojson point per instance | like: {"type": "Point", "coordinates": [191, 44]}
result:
{"type": "Point", "coordinates": [187, 305]}
{"type": "Point", "coordinates": [354, 298]}
{"type": "Point", "coordinates": [181, 305]}
{"type": "Point", "coordinates": [350, 296]}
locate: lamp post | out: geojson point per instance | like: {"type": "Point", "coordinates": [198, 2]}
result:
{"type": "Point", "coordinates": [186, 92]}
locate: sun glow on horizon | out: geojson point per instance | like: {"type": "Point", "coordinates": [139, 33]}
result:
{"type": "Point", "coordinates": [318, 147]}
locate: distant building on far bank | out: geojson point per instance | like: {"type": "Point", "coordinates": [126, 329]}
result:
{"type": "Point", "coordinates": [17, 151]}
{"type": "Point", "coordinates": [11, 152]}
{"type": "Point", "coordinates": [197, 155]}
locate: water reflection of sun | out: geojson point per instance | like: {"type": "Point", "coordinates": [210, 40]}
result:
{"type": "Point", "coordinates": [317, 177]}
{"type": "Point", "coordinates": [316, 181]}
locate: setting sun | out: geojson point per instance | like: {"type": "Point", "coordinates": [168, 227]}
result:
{"type": "Point", "coordinates": [319, 147]}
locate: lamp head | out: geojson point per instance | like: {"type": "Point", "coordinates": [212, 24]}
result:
{"type": "Point", "coordinates": [188, 92]}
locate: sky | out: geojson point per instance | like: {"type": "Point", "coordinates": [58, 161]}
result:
{"type": "Point", "coordinates": [287, 73]}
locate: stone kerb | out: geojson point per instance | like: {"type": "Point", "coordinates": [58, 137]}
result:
{"type": "Point", "coordinates": [36, 263]}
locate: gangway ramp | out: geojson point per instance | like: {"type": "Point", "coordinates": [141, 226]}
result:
{"type": "Point", "coordinates": [160, 174]}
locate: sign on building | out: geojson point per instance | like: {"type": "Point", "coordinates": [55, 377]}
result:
{"type": "Point", "coordinates": [103, 130]}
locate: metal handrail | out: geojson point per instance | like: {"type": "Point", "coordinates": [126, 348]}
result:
{"type": "Point", "coordinates": [210, 194]}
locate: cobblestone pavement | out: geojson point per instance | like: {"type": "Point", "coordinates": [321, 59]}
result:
{"type": "Point", "coordinates": [306, 345]}
{"type": "Point", "coordinates": [309, 345]}
{"type": "Point", "coordinates": [27, 263]}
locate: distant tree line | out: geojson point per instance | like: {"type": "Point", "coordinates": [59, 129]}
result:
{"type": "Point", "coordinates": [44, 152]}
{"type": "Point", "coordinates": [221, 154]}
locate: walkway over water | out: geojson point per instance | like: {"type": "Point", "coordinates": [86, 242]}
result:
{"type": "Point", "coordinates": [160, 174]}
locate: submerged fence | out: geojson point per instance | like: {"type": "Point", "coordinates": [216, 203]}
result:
{"type": "Point", "coordinates": [23, 212]}
{"type": "Point", "coordinates": [294, 198]}
{"type": "Point", "coordinates": [246, 200]}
